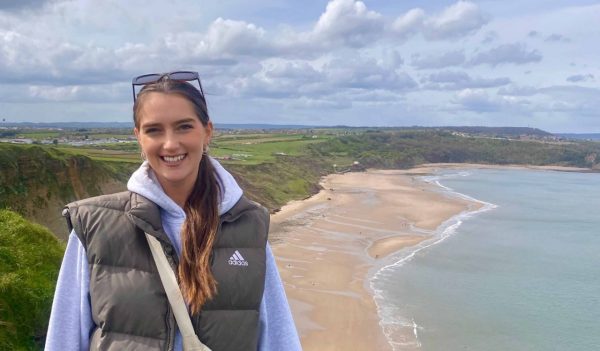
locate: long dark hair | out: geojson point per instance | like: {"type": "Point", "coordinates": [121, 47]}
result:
{"type": "Point", "coordinates": [198, 234]}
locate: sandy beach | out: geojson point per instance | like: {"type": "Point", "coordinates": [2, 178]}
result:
{"type": "Point", "coordinates": [325, 246]}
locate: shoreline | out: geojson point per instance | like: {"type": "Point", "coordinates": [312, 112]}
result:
{"type": "Point", "coordinates": [327, 246]}
{"type": "Point", "coordinates": [436, 166]}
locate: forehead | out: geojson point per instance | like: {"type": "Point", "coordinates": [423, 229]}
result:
{"type": "Point", "coordinates": [165, 108]}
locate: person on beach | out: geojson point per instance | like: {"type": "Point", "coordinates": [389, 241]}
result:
{"type": "Point", "coordinates": [109, 294]}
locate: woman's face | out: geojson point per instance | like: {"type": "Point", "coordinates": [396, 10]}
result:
{"type": "Point", "coordinates": [173, 139]}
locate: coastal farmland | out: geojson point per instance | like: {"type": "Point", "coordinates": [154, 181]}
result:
{"type": "Point", "coordinates": [230, 147]}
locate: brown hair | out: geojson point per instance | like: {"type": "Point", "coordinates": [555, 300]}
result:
{"type": "Point", "coordinates": [198, 234]}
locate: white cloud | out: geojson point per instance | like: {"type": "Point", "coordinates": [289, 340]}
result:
{"type": "Point", "coordinates": [278, 79]}
{"type": "Point", "coordinates": [14, 5]}
{"type": "Point", "coordinates": [233, 38]}
{"type": "Point", "coordinates": [577, 100]}
{"type": "Point", "coordinates": [338, 76]}
{"type": "Point", "coordinates": [96, 93]}
{"type": "Point", "coordinates": [490, 37]}
{"type": "Point", "coordinates": [348, 22]}
{"type": "Point", "coordinates": [367, 73]}
{"type": "Point", "coordinates": [225, 43]}
{"type": "Point", "coordinates": [581, 78]}
{"type": "Point", "coordinates": [457, 80]}
{"type": "Point", "coordinates": [517, 90]}
{"type": "Point", "coordinates": [447, 59]}
{"type": "Point", "coordinates": [33, 93]}
{"type": "Point", "coordinates": [478, 100]}
{"type": "Point", "coordinates": [516, 53]}
{"type": "Point", "coordinates": [557, 38]}
{"type": "Point", "coordinates": [409, 23]}
{"type": "Point", "coordinates": [75, 58]}
{"type": "Point", "coordinates": [316, 103]}
{"type": "Point", "coordinates": [457, 20]}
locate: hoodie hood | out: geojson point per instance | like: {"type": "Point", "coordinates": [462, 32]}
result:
{"type": "Point", "coordinates": [144, 182]}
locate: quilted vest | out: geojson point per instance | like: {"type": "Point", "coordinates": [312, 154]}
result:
{"type": "Point", "coordinates": [129, 306]}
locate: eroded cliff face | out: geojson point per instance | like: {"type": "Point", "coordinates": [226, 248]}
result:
{"type": "Point", "coordinates": [37, 182]}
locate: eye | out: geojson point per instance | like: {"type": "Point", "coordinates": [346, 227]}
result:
{"type": "Point", "coordinates": [151, 130]}
{"type": "Point", "coordinates": [186, 126]}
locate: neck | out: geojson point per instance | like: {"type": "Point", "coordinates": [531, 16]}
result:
{"type": "Point", "coordinates": [178, 192]}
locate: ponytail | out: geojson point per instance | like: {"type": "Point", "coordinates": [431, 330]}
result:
{"type": "Point", "coordinates": [198, 234]}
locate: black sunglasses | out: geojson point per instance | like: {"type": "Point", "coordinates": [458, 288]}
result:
{"type": "Point", "coordinates": [185, 76]}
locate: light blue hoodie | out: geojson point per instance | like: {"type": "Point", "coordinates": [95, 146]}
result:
{"type": "Point", "coordinates": [71, 319]}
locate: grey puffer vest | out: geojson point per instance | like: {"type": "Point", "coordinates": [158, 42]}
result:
{"type": "Point", "coordinates": [129, 305]}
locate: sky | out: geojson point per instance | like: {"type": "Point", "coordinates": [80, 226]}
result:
{"type": "Point", "coordinates": [533, 63]}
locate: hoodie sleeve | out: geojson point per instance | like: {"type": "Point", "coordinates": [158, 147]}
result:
{"type": "Point", "coordinates": [71, 318]}
{"type": "Point", "coordinates": [277, 329]}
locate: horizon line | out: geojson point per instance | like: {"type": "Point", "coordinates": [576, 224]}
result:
{"type": "Point", "coordinates": [290, 125]}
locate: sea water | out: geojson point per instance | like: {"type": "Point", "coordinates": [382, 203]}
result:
{"type": "Point", "coordinates": [522, 273]}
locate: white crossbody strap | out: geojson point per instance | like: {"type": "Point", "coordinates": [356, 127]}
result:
{"type": "Point", "coordinates": [167, 276]}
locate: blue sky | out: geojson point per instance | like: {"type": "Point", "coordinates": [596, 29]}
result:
{"type": "Point", "coordinates": [375, 63]}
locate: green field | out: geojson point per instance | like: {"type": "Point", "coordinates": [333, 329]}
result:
{"type": "Point", "coordinates": [261, 148]}
{"type": "Point", "coordinates": [102, 154]}
{"type": "Point", "coordinates": [244, 149]}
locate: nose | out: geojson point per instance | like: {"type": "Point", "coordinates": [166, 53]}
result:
{"type": "Point", "coordinates": [171, 141]}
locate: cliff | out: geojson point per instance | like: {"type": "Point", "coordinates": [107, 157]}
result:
{"type": "Point", "coordinates": [37, 181]}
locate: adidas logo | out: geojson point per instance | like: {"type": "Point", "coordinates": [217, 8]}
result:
{"type": "Point", "coordinates": [237, 260]}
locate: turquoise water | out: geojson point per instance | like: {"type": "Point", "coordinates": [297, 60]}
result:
{"type": "Point", "coordinates": [524, 274]}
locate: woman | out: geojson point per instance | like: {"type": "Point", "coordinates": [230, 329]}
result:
{"type": "Point", "coordinates": [109, 295]}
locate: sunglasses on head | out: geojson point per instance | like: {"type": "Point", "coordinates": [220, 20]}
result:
{"type": "Point", "coordinates": [184, 76]}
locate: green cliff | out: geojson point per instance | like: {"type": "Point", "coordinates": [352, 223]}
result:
{"type": "Point", "coordinates": [30, 256]}
{"type": "Point", "coordinates": [37, 181]}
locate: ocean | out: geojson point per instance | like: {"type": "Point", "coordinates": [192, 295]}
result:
{"type": "Point", "coordinates": [522, 273]}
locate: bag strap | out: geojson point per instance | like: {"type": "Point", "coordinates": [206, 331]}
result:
{"type": "Point", "coordinates": [167, 276]}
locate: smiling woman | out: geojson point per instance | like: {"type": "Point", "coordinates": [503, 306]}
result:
{"type": "Point", "coordinates": [173, 140]}
{"type": "Point", "coordinates": [214, 239]}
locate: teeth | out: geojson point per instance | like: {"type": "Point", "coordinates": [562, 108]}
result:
{"type": "Point", "coordinates": [173, 158]}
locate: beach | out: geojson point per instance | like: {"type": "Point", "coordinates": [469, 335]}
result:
{"type": "Point", "coordinates": [326, 245]}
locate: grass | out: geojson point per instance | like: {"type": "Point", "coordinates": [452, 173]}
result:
{"type": "Point", "coordinates": [103, 154]}
{"type": "Point", "coordinates": [262, 148]}
{"type": "Point", "coordinates": [30, 256]}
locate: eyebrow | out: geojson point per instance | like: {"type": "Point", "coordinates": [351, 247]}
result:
{"type": "Point", "coordinates": [158, 124]}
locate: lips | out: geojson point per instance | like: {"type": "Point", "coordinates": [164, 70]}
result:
{"type": "Point", "coordinates": [173, 159]}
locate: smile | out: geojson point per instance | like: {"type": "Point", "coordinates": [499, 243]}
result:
{"type": "Point", "coordinates": [173, 158]}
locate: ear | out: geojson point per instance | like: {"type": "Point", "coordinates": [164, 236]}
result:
{"type": "Point", "coordinates": [209, 131]}
{"type": "Point", "coordinates": [137, 133]}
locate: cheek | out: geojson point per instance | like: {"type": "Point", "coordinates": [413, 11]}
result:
{"type": "Point", "coordinates": [146, 145]}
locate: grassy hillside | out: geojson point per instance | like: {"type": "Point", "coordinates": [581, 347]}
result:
{"type": "Point", "coordinates": [404, 149]}
{"type": "Point", "coordinates": [36, 181]}
{"type": "Point", "coordinates": [30, 257]}
{"type": "Point", "coordinates": [287, 178]}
